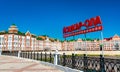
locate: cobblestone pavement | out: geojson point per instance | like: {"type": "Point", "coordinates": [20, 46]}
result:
{"type": "Point", "coordinates": [12, 64]}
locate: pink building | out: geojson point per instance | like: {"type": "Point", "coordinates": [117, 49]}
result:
{"type": "Point", "coordinates": [112, 43]}
{"type": "Point", "coordinates": [14, 40]}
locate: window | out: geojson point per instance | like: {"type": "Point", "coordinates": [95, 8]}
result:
{"type": "Point", "coordinates": [27, 42]}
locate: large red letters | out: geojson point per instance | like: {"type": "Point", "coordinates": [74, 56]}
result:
{"type": "Point", "coordinates": [92, 25]}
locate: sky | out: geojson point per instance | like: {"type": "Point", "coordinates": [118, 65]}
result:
{"type": "Point", "coordinates": [48, 17]}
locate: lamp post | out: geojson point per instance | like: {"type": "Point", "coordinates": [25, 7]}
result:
{"type": "Point", "coordinates": [0, 47]}
{"type": "Point", "coordinates": [56, 56]}
{"type": "Point", "coordinates": [74, 44]}
{"type": "Point", "coordinates": [10, 51]}
{"type": "Point", "coordinates": [102, 53]}
{"type": "Point", "coordinates": [19, 52]}
{"type": "Point", "coordinates": [102, 67]}
{"type": "Point", "coordinates": [85, 45]}
{"type": "Point", "coordinates": [0, 50]}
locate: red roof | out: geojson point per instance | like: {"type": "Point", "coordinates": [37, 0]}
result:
{"type": "Point", "coordinates": [108, 38]}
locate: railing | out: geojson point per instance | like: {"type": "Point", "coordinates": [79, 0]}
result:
{"type": "Point", "coordinates": [42, 56]}
{"type": "Point", "coordinates": [91, 64]}
{"type": "Point", "coordinates": [112, 65]}
{"type": "Point", "coordinates": [80, 62]}
{"type": "Point", "coordinates": [10, 53]}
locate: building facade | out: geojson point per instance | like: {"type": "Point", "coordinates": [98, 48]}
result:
{"type": "Point", "coordinates": [14, 40]}
{"type": "Point", "coordinates": [109, 44]}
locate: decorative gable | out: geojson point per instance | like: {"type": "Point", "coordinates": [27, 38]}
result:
{"type": "Point", "coordinates": [116, 37]}
{"type": "Point", "coordinates": [27, 33]}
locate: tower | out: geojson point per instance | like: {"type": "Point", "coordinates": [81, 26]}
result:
{"type": "Point", "coordinates": [13, 29]}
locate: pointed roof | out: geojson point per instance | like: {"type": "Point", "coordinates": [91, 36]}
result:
{"type": "Point", "coordinates": [107, 39]}
{"type": "Point", "coordinates": [115, 36]}
{"type": "Point", "coordinates": [47, 39]}
{"type": "Point", "coordinates": [79, 40]}
{"type": "Point", "coordinates": [28, 33]}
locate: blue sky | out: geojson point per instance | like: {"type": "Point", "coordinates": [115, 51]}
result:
{"type": "Point", "coordinates": [48, 17]}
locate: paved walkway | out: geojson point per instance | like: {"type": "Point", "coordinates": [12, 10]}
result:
{"type": "Point", "coordinates": [12, 64]}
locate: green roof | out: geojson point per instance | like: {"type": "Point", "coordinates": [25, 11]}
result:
{"type": "Point", "coordinates": [39, 38]}
{"type": "Point", "coordinates": [20, 33]}
{"type": "Point", "coordinates": [13, 25]}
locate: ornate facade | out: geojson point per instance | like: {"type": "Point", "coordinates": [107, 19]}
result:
{"type": "Point", "coordinates": [109, 44]}
{"type": "Point", "coordinates": [14, 40]}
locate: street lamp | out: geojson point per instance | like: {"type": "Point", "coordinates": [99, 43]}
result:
{"type": "Point", "coordinates": [19, 53]}
{"type": "Point", "coordinates": [10, 50]}
{"type": "Point", "coordinates": [102, 53]}
{"type": "Point", "coordinates": [56, 56]}
{"type": "Point", "coordinates": [85, 45]}
{"type": "Point", "coordinates": [0, 50]}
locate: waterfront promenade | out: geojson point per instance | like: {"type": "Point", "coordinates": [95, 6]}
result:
{"type": "Point", "coordinates": [14, 64]}
{"type": "Point", "coordinates": [110, 53]}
